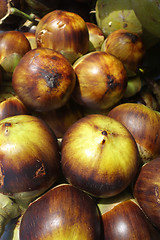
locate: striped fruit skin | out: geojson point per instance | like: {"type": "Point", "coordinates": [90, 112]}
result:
{"type": "Point", "coordinates": [146, 191]}
{"type": "Point", "coordinates": [101, 80]}
{"type": "Point", "coordinates": [64, 212]}
{"type": "Point", "coordinates": [65, 32]}
{"type": "Point", "coordinates": [143, 123]}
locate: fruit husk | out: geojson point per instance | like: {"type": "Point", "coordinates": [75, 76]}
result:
{"type": "Point", "coordinates": [112, 15]}
{"type": "Point", "coordinates": [148, 13]}
{"type": "Point", "coordinates": [8, 210]}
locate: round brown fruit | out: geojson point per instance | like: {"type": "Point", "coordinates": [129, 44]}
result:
{"type": "Point", "coordinates": [99, 155]}
{"type": "Point", "coordinates": [12, 106]}
{"type": "Point", "coordinates": [101, 80]}
{"type": "Point", "coordinates": [146, 191]}
{"type": "Point", "coordinates": [13, 46]}
{"type": "Point", "coordinates": [121, 215]}
{"type": "Point", "coordinates": [30, 160]}
{"type": "Point", "coordinates": [44, 79]}
{"type": "Point", "coordinates": [143, 123]}
{"type": "Point", "coordinates": [64, 212]}
{"type": "Point", "coordinates": [65, 32]}
{"type": "Point", "coordinates": [127, 47]}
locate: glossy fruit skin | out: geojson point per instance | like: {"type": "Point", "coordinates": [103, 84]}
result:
{"type": "Point", "coordinates": [146, 191]}
{"type": "Point", "coordinates": [13, 42]}
{"type": "Point", "coordinates": [127, 47]}
{"type": "Point", "coordinates": [31, 38]}
{"type": "Point", "coordinates": [126, 220]}
{"type": "Point", "coordinates": [99, 156]}
{"type": "Point", "coordinates": [65, 32]}
{"type": "Point", "coordinates": [13, 46]}
{"type": "Point", "coordinates": [32, 147]}
{"type": "Point", "coordinates": [12, 106]}
{"type": "Point", "coordinates": [101, 80]}
{"type": "Point", "coordinates": [143, 123]}
{"type": "Point", "coordinates": [64, 212]}
{"type": "Point", "coordinates": [44, 79]}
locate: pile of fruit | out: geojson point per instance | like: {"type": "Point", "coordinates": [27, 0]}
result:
{"type": "Point", "coordinates": [79, 120]}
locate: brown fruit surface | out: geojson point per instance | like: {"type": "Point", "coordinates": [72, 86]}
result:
{"type": "Point", "coordinates": [146, 191]}
{"type": "Point", "coordinates": [13, 42]}
{"type": "Point", "coordinates": [13, 46]}
{"type": "Point", "coordinates": [143, 123]}
{"type": "Point", "coordinates": [44, 79]}
{"type": "Point", "coordinates": [65, 213]}
{"type": "Point", "coordinates": [127, 47]}
{"type": "Point", "coordinates": [126, 220]}
{"type": "Point", "coordinates": [65, 32]}
{"type": "Point", "coordinates": [101, 80]}
{"type": "Point", "coordinates": [12, 106]}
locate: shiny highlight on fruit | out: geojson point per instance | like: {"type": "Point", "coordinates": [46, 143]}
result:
{"type": "Point", "coordinates": [65, 32]}
{"type": "Point", "coordinates": [127, 47]}
{"type": "Point", "coordinates": [101, 80]}
{"type": "Point", "coordinates": [143, 123]}
{"type": "Point", "coordinates": [99, 155]}
{"type": "Point", "coordinates": [13, 46]}
{"type": "Point", "coordinates": [32, 148]}
{"type": "Point", "coordinates": [147, 191]}
{"type": "Point", "coordinates": [64, 212]}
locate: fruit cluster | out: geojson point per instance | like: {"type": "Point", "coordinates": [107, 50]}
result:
{"type": "Point", "coordinates": [79, 120]}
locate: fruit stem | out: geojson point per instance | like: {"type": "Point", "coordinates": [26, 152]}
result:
{"type": "Point", "coordinates": [31, 17]}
